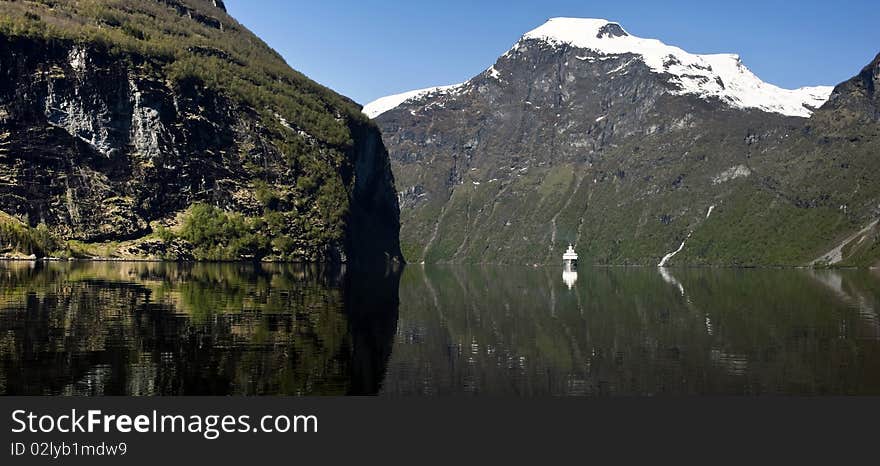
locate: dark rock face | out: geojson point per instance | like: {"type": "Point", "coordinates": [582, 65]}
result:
{"type": "Point", "coordinates": [611, 30]}
{"type": "Point", "coordinates": [374, 222]}
{"type": "Point", "coordinates": [859, 94]}
{"type": "Point", "coordinates": [99, 149]}
{"type": "Point", "coordinates": [555, 144]}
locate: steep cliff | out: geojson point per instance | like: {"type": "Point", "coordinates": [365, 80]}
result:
{"type": "Point", "coordinates": [166, 129]}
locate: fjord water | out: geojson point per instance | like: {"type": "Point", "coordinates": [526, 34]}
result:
{"type": "Point", "coordinates": [114, 328]}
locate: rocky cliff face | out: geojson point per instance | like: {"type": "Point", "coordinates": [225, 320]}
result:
{"type": "Point", "coordinates": [859, 96]}
{"type": "Point", "coordinates": [627, 152]}
{"type": "Point", "coordinates": [104, 145]}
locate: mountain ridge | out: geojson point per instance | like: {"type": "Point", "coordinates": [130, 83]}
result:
{"type": "Point", "coordinates": [693, 73]}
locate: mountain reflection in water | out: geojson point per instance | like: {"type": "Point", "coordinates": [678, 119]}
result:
{"type": "Point", "coordinates": [636, 331]}
{"type": "Point", "coordinates": [114, 328]}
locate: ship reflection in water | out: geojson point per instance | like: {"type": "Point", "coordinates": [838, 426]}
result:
{"type": "Point", "coordinates": [217, 329]}
{"type": "Point", "coordinates": [570, 279]}
{"type": "Point", "coordinates": [569, 267]}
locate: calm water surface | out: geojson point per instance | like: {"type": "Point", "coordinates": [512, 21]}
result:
{"type": "Point", "coordinates": [196, 329]}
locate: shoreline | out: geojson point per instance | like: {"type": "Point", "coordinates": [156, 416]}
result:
{"type": "Point", "coordinates": [439, 264]}
{"type": "Point", "coordinates": [156, 261]}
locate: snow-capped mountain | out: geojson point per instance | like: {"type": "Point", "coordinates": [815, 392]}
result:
{"type": "Point", "coordinates": [721, 76]}
{"type": "Point", "coordinates": [635, 151]}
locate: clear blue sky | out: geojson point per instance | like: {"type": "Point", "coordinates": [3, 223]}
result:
{"type": "Point", "coordinates": [371, 48]}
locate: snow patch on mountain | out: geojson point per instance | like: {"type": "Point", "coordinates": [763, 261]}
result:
{"type": "Point", "coordinates": [719, 75]}
{"type": "Point", "coordinates": [384, 104]}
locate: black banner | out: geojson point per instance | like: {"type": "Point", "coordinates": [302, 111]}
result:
{"type": "Point", "coordinates": [413, 431]}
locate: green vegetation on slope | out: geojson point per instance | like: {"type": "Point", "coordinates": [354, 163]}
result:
{"type": "Point", "coordinates": [233, 127]}
{"type": "Point", "coordinates": [227, 58]}
{"type": "Point", "coordinates": [18, 238]}
{"type": "Point", "coordinates": [632, 206]}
